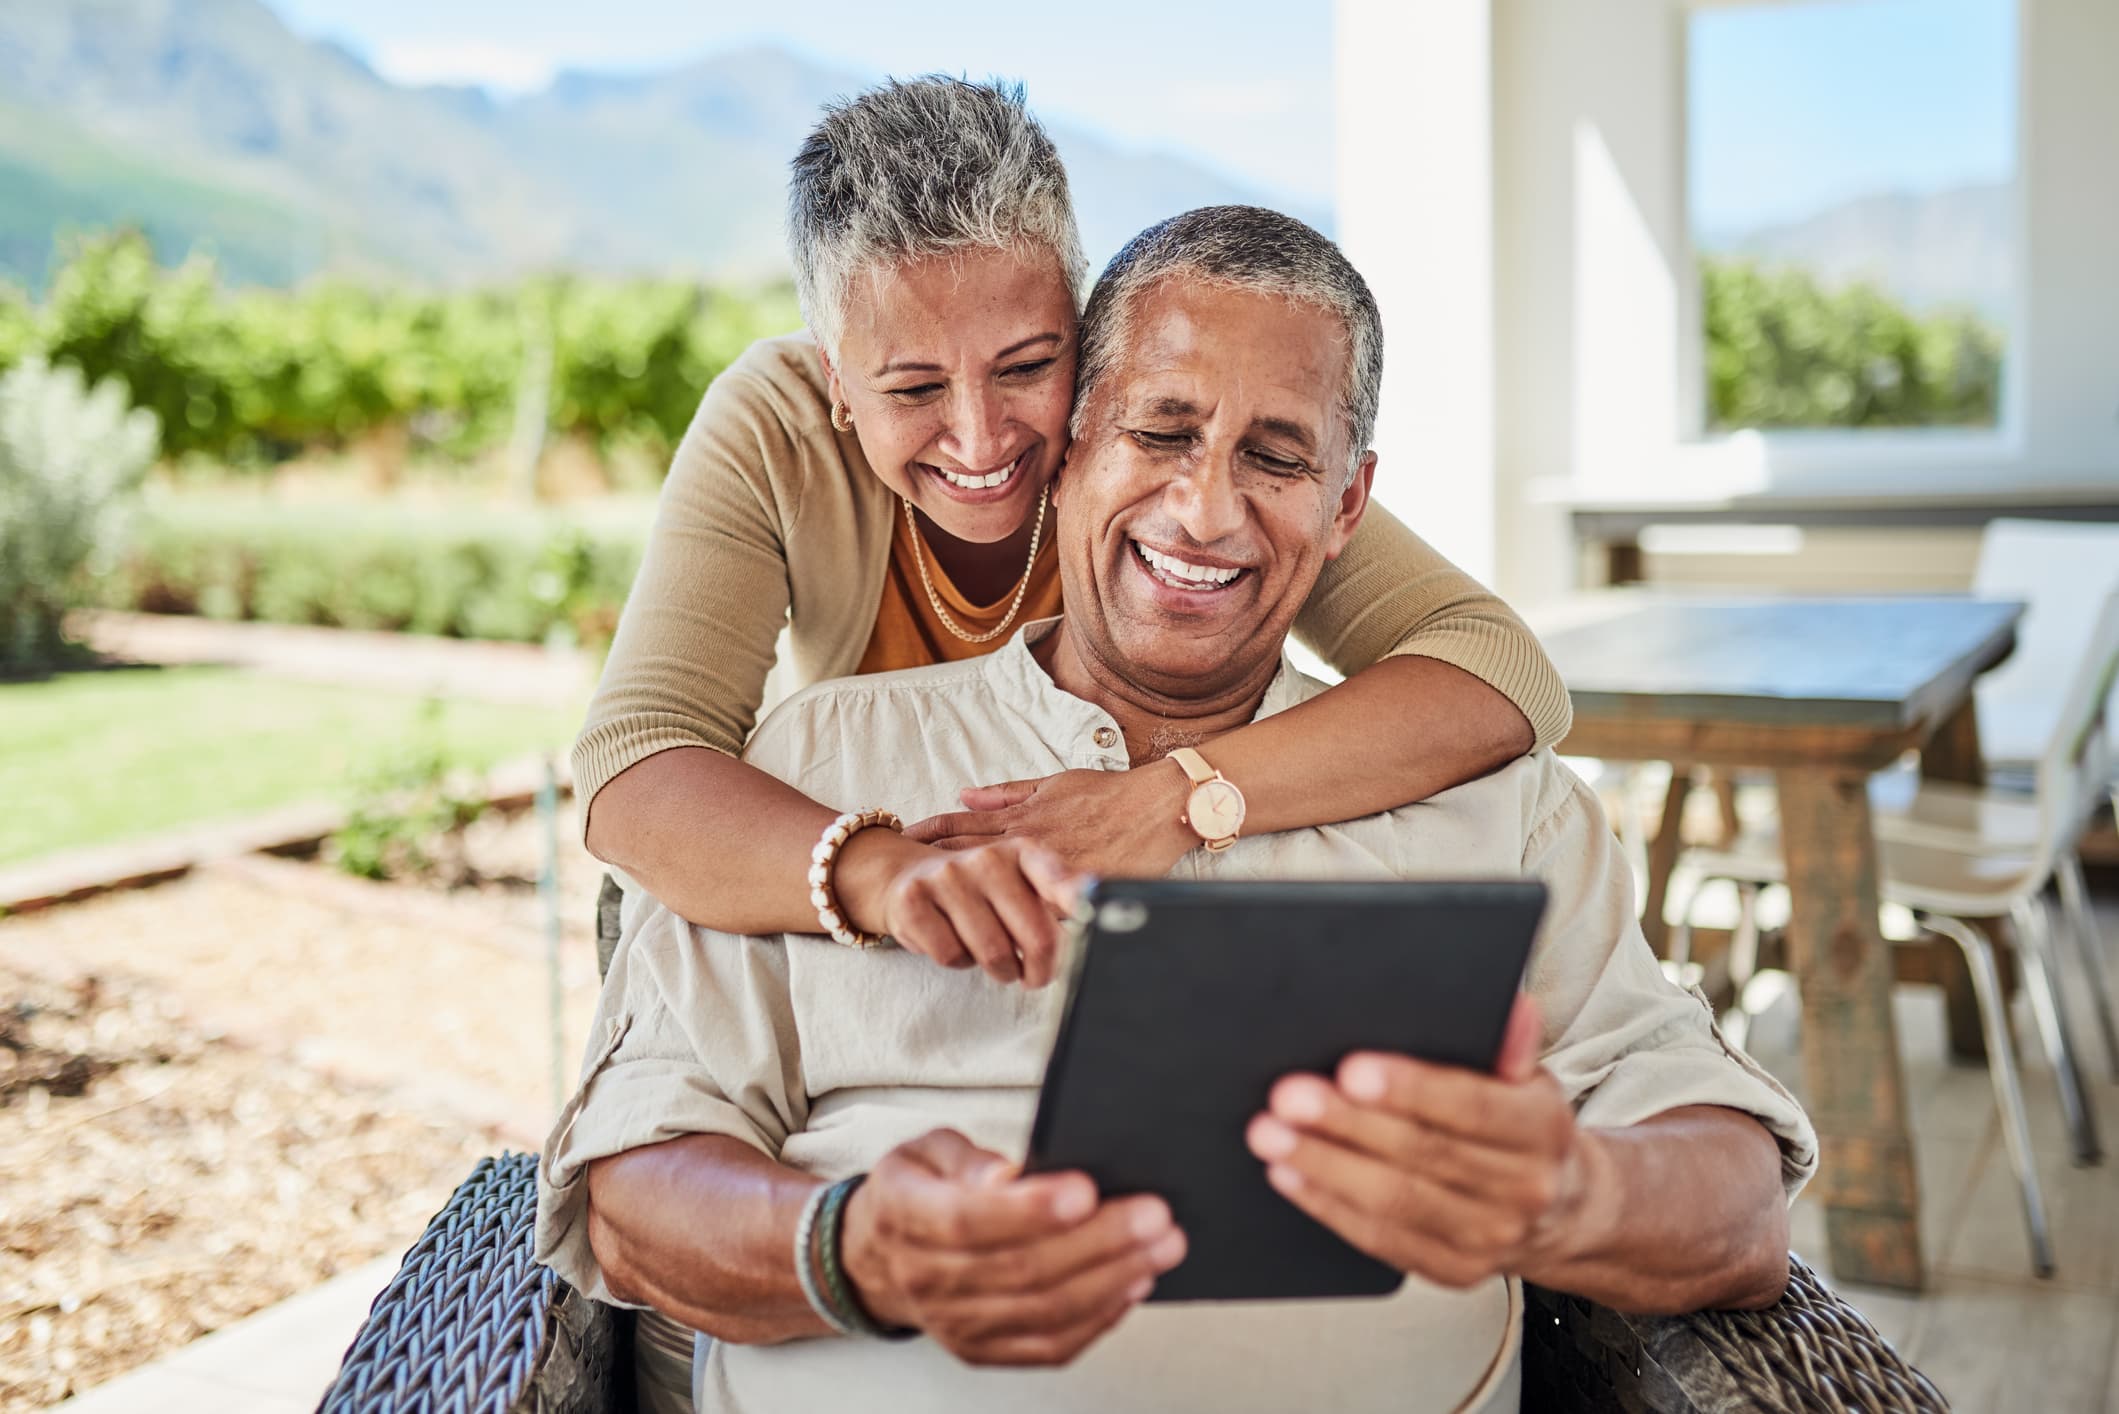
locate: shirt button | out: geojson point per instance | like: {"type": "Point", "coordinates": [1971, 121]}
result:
{"type": "Point", "coordinates": [1105, 737]}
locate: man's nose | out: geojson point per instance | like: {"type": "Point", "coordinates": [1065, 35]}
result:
{"type": "Point", "coordinates": [977, 434]}
{"type": "Point", "coordinates": [1204, 502]}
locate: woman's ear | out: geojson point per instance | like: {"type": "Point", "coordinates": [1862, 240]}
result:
{"type": "Point", "coordinates": [831, 376]}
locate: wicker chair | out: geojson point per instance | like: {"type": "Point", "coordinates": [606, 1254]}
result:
{"type": "Point", "coordinates": [471, 1325]}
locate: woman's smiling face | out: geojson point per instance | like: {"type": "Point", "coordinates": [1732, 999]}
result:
{"type": "Point", "coordinates": [959, 373]}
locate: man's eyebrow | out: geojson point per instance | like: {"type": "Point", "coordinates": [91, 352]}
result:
{"type": "Point", "coordinates": [1169, 405]}
{"type": "Point", "coordinates": [1295, 432]}
{"type": "Point", "coordinates": [908, 366]}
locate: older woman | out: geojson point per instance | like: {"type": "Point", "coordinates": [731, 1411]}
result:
{"type": "Point", "coordinates": [880, 486]}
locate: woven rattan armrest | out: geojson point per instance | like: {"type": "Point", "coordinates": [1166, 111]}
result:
{"type": "Point", "coordinates": [1810, 1351]}
{"type": "Point", "coordinates": [471, 1323]}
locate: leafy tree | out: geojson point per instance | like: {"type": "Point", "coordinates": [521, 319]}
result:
{"type": "Point", "coordinates": [1783, 351]}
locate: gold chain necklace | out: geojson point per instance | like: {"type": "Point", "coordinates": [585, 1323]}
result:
{"type": "Point", "coordinates": [935, 600]}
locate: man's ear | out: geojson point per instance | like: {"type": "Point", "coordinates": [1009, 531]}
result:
{"type": "Point", "coordinates": [1353, 505]}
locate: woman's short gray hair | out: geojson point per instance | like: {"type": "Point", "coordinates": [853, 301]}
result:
{"type": "Point", "coordinates": [921, 167]}
{"type": "Point", "coordinates": [1246, 248]}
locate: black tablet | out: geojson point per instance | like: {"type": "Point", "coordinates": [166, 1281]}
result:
{"type": "Point", "coordinates": [1190, 999]}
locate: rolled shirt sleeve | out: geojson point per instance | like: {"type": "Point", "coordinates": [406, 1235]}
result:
{"type": "Point", "coordinates": [694, 1034]}
{"type": "Point", "coordinates": [1625, 1043]}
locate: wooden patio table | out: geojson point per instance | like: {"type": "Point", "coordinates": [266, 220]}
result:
{"type": "Point", "coordinates": [1821, 692]}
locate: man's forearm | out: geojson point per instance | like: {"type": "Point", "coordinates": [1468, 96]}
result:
{"type": "Point", "coordinates": [1683, 1212]}
{"type": "Point", "coordinates": [703, 1229]}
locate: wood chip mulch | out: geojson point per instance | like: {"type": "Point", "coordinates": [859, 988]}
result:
{"type": "Point", "coordinates": [163, 1180]}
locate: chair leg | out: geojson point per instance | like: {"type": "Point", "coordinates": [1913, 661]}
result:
{"type": "Point", "coordinates": [2036, 946]}
{"type": "Point", "coordinates": [1743, 964]}
{"type": "Point", "coordinates": [2001, 1069]}
{"type": "Point", "coordinates": [2082, 925]}
{"type": "Point", "coordinates": [1678, 946]}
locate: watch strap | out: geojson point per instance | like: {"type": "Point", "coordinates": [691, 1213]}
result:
{"type": "Point", "coordinates": [1194, 765]}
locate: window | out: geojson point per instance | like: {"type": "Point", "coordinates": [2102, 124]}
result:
{"type": "Point", "coordinates": [1852, 203]}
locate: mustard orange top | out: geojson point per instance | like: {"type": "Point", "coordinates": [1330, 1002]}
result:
{"type": "Point", "coordinates": [909, 634]}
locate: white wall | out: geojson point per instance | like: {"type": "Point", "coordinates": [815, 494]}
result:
{"type": "Point", "coordinates": [1415, 214]}
{"type": "Point", "coordinates": [1511, 181]}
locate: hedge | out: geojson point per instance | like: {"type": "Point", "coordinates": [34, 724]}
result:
{"type": "Point", "coordinates": [514, 574]}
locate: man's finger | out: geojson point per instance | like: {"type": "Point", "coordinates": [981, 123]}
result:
{"type": "Point", "coordinates": [1056, 1347]}
{"type": "Point", "coordinates": [1522, 1041]}
{"type": "Point", "coordinates": [1125, 1238]}
{"type": "Point", "coordinates": [1080, 1295]}
{"type": "Point", "coordinates": [1000, 795]}
{"type": "Point", "coordinates": [930, 1210]}
{"type": "Point", "coordinates": [956, 824]}
{"type": "Point", "coordinates": [1526, 1115]}
{"type": "Point", "coordinates": [1429, 1257]}
{"type": "Point", "coordinates": [1314, 1105]}
{"type": "Point", "coordinates": [946, 1153]}
{"type": "Point", "coordinates": [1385, 1195]}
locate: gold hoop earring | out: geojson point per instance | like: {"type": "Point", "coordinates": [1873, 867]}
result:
{"type": "Point", "coordinates": [842, 417]}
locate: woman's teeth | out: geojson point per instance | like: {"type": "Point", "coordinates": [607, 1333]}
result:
{"type": "Point", "coordinates": [980, 483]}
{"type": "Point", "coordinates": [1182, 574]}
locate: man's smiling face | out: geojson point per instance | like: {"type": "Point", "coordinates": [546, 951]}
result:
{"type": "Point", "coordinates": [1207, 487]}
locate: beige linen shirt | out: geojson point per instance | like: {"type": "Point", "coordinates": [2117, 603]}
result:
{"type": "Point", "coordinates": [825, 1057]}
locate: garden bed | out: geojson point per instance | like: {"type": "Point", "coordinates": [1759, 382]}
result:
{"type": "Point", "coordinates": [218, 1092]}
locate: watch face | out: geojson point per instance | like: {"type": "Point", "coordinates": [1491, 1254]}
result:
{"type": "Point", "coordinates": [1216, 810]}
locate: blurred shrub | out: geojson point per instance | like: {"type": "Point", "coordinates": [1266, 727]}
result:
{"type": "Point", "coordinates": [69, 456]}
{"type": "Point", "coordinates": [18, 327]}
{"type": "Point", "coordinates": [409, 818]}
{"type": "Point", "coordinates": [255, 376]}
{"type": "Point", "coordinates": [478, 573]}
{"type": "Point", "coordinates": [1783, 351]}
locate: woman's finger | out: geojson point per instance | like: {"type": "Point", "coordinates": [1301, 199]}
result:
{"type": "Point", "coordinates": [918, 925]}
{"type": "Point", "coordinates": [978, 927]}
{"type": "Point", "coordinates": [1057, 884]}
{"type": "Point", "coordinates": [1027, 917]}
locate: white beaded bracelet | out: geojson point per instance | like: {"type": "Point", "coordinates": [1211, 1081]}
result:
{"type": "Point", "coordinates": [825, 856]}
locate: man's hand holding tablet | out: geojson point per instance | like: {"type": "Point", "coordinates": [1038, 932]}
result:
{"type": "Point", "coordinates": [1436, 1170]}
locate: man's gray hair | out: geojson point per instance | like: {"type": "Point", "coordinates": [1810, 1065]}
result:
{"type": "Point", "coordinates": [1245, 248]}
{"type": "Point", "coordinates": [922, 167]}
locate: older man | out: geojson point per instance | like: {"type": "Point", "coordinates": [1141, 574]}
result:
{"type": "Point", "coordinates": [1228, 389]}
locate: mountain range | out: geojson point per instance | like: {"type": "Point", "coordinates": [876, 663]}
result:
{"type": "Point", "coordinates": [209, 124]}
{"type": "Point", "coordinates": [1953, 246]}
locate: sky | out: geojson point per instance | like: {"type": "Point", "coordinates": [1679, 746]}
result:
{"type": "Point", "coordinates": [1795, 106]}
{"type": "Point", "coordinates": [1244, 85]}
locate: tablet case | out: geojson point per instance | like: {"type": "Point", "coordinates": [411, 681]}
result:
{"type": "Point", "coordinates": [1190, 999]}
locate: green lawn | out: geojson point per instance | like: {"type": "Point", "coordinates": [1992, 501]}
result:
{"type": "Point", "coordinates": [90, 758]}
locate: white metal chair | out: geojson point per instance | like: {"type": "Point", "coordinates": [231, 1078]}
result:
{"type": "Point", "coordinates": [2061, 570]}
{"type": "Point", "coordinates": [1987, 866]}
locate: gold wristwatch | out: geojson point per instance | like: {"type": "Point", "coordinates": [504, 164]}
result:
{"type": "Point", "coordinates": [1214, 810]}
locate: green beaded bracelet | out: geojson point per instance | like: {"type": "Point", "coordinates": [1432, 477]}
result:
{"type": "Point", "coordinates": [837, 1289]}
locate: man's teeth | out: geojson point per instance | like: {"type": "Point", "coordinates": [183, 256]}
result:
{"type": "Point", "coordinates": [979, 483]}
{"type": "Point", "coordinates": [1183, 574]}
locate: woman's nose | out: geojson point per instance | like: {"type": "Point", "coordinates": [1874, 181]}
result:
{"type": "Point", "coordinates": [977, 434]}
